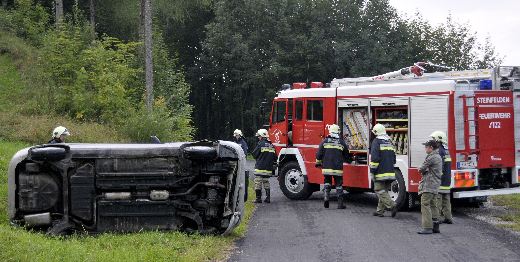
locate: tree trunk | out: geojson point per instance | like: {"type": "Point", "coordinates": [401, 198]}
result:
{"type": "Point", "coordinates": [58, 6]}
{"type": "Point", "coordinates": [93, 17]}
{"type": "Point", "coordinates": [146, 25]}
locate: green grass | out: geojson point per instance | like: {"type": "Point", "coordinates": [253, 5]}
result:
{"type": "Point", "coordinates": [10, 83]}
{"type": "Point", "coordinates": [512, 202]}
{"type": "Point", "coordinates": [17, 244]}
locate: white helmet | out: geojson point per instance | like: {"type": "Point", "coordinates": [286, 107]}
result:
{"type": "Point", "coordinates": [439, 136]}
{"type": "Point", "coordinates": [60, 130]}
{"type": "Point", "coordinates": [333, 129]}
{"type": "Point", "coordinates": [262, 133]}
{"type": "Point", "coordinates": [379, 129]}
{"type": "Point", "coordinates": [237, 132]}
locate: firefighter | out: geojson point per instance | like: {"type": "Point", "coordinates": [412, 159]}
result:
{"type": "Point", "coordinates": [265, 156]}
{"type": "Point", "coordinates": [382, 161]}
{"type": "Point", "coordinates": [333, 151]}
{"type": "Point", "coordinates": [58, 135]}
{"type": "Point", "coordinates": [443, 198]}
{"type": "Point", "coordinates": [431, 172]}
{"type": "Point", "coordinates": [238, 138]}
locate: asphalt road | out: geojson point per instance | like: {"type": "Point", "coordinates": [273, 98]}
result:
{"type": "Point", "coordinates": [287, 230]}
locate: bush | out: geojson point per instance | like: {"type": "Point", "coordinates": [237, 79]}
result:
{"type": "Point", "coordinates": [161, 123]}
{"type": "Point", "coordinates": [27, 21]}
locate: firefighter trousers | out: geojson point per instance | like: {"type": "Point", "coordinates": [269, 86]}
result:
{"type": "Point", "coordinates": [384, 201]}
{"type": "Point", "coordinates": [261, 182]}
{"type": "Point", "coordinates": [444, 206]}
{"type": "Point", "coordinates": [338, 181]}
{"type": "Point", "coordinates": [429, 211]}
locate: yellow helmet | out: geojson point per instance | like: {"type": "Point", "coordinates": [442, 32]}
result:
{"type": "Point", "coordinates": [333, 129]}
{"type": "Point", "coordinates": [379, 129]}
{"type": "Point", "coordinates": [439, 136]}
{"type": "Point", "coordinates": [60, 130]}
{"type": "Point", "coordinates": [262, 133]}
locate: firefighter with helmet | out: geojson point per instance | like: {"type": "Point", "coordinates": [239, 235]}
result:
{"type": "Point", "coordinates": [265, 156]}
{"type": "Point", "coordinates": [58, 135]}
{"type": "Point", "coordinates": [332, 153]}
{"type": "Point", "coordinates": [238, 138]}
{"type": "Point", "coordinates": [443, 198]}
{"type": "Point", "coordinates": [382, 161]}
{"type": "Point", "coordinates": [431, 172]}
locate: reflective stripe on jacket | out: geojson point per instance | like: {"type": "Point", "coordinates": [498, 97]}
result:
{"type": "Point", "coordinates": [265, 156]}
{"type": "Point", "coordinates": [332, 153]}
{"type": "Point", "coordinates": [446, 170]}
{"type": "Point", "coordinates": [382, 158]}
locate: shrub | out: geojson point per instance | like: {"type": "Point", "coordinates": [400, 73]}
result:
{"type": "Point", "coordinates": [161, 122]}
{"type": "Point", "coordinates": [27, 21]}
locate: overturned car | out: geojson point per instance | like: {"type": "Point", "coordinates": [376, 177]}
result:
{"type": "Point", "coordinates": [192, 187]}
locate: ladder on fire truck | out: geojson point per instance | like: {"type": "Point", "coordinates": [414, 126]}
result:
{"type": "Point", "coordinates": [417, 72]}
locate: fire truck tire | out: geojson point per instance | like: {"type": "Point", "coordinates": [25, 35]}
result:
{"type": "Point", "coordinates": [293, 183]}
{"type": "Point", "coordinates": [398, 190]}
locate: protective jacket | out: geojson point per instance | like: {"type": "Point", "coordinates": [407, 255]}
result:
{"type": "Point", "coordinates": [242, 142]}
{"type": "Point", "coordinates": [431, 171]}
{"type": "Point", "coordinates": [54, 141]}
{"type": "Point", "coordinates": [382, 158]}
{"type": "Point", "coordinates": [446, 170]}
{"type": "Point", "coordinates": [265, 156]}
{"type": "Point", "coordinates": [332, 152]}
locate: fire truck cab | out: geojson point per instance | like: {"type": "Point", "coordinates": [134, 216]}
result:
{"type": "Point", "coordinates": [475, 108]}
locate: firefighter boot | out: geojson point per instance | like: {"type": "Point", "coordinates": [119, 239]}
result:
{"type": "Point", "coordinates": [326, 196]}
{"type": "Point", "coordinates": [436, 227]}
{"type": "Point", "coordinates": [425, 231]}
{"type": "Point", "coordinates": [267, 196]}
{"type": "Point", "coordinates": [258, 196]}
{"type": "Point", "coordinates": [341, 198]}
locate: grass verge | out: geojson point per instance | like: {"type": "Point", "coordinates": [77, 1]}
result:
{"type": "Point", "coordinates": [512, 203]}
{"type": "Point", "coordinates": [17, 244]}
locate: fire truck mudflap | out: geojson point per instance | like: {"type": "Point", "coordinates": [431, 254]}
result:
{"type": "Point", "coordinates": [128, 187]}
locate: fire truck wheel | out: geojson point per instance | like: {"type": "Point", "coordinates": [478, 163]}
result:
{"type": "Point", "coordinates": [293, 183]}
{"type": "Point", "coordinates": [398, 189]}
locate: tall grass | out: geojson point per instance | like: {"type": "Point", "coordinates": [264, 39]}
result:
{"type": "Point", "coordinates": [512, 203]}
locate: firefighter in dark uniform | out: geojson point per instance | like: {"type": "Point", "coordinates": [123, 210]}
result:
{"type": "Point", "coordinates": [331, 155]}
{"type": "Point", "coordinates": [265, 156]}
{"type": "Point", "coordinates": [58, 135]}
{"type": "Point", "coordinates": [443, 198]}
{"type": "Point", "coordinates": [382, 161]}
{"type": "Point", "coordinates": [238, 138]}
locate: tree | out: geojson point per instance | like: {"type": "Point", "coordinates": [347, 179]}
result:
{"type": "Point", "coordinates": [58, 8]}
{"type": "Point", "coordinates": [92, 11]}
{"type": "Point", "coordinates": [146, 23]}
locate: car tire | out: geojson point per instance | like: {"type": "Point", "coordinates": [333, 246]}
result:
{"type": "Point", "coordinates": [293, 183]}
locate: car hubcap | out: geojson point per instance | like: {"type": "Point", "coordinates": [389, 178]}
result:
{"type": "Point", "coordinates": [294, 181]}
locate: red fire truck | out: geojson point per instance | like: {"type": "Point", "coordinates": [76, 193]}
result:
{"type": "Point", "coordinates": [478, 109]}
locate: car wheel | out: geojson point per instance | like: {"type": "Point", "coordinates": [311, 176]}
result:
{"type": "Point", "coordinates": [293, 183]}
